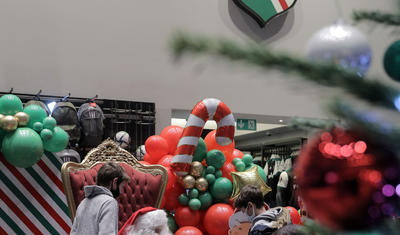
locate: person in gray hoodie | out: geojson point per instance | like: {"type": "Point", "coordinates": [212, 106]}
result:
{"type": "Point", "coordinates": [98, 212]}
{"type": "Point", "coordinates": [251, 202]}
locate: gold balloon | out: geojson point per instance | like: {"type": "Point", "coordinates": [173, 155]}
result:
{"type": "Point", "coordinates": [1, 123]}
{"type": "Point", "coordinates": [9, 123]}
{"type": "Point", "coordinates": [22, 118]}
{"type": "Point", "coordinates": [188, 182]}
{"type": "Point", "coordinates": [201, 184]}
{"type": "Point", "coordinates": [249, 177]}
{"type": "Point", "coordinates": [197, 169]}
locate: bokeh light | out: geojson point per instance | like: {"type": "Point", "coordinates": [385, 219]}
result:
{"type": "Point", "coordinates": [388, 190]}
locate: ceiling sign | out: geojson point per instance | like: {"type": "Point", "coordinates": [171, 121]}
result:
{"type": "Point", "coordinates": [264, 10]}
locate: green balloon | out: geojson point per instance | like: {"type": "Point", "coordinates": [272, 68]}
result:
{"type": "Point", "coordinates": [204, 173]}
{"type": "Point", "coordinates": [218, 174]}
{"type": "Point", "coordinates": [236, 160]}
{"type": "Point", "coordinates": [10, 104]}
{"type": "Point", "coordinates": [391, 61]}
{"type": "Point", "coordinates": [210, 170]}
{"type": "Point", "coordinates": [49, 123]}
{"type": "Point", "coordinates": [23, 147]}
{"type": "Point", "coordinates": [194, 204]}
{"type": "Point", "coordinates": [206, 200]}
{"type": "Point", "coordinates": [183, 199]}
{"type": "Point", "coordinates": [194, 193]}
{"type": "Point", "coordinates": [247, 159]}
{"type": "Point", "coordinates": [222, 188]}
{"type": "Point", "coordinates": [260, 171]}
{"type": "Point", "coordinates": [240, 166]}
{"type": "Point", "coordinates": [38, 126]}
{"type": "Point", "coordinates": [172, 224]}
{"type": "Point", "coordinates": [36, 114]}
{"type": "Point", "coordinates": [201, 151]}
{"type": "Point", "coordinates": [210, 178]}
{"type": "Point", "coordinates": [215, 158]}
{"type": "Point", "coordinates": [46, 134]}
{"type": "Point", "coordinates": [58, 142]}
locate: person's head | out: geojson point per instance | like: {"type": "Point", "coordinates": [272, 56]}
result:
{"type": "Point", "coordinates": [250, 201]}
{"type": "Point", "coordinates": [112, 176]}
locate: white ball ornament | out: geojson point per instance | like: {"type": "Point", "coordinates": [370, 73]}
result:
{"type": "Point", "coordinates": [123, 138]}
{"type": "Point", "coordinates": [343, 45]}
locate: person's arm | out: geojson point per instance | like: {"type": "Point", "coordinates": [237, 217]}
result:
{"type": "Point", "coordinates": [108, 218]}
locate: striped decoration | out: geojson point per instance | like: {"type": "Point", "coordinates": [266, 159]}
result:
{"type": "Point", "coordinates": [207, 109]}
{"type": "Point", "coordinates": [33, 199]}
{"type": "Point", "coordinates": [264, 10]}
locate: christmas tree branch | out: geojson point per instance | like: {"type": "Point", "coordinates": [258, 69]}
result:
{"type": "Point", "coordinates": [383, 132]}
{"type": "Point", "coordinates": [376, 16]}
{"type": "Point", "coordinates": [370, 90]}
{"type": "Point", "coordinates": [311, 123]}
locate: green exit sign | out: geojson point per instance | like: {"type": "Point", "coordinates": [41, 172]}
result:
{"type": "Point", "coordinates": [246, 124]}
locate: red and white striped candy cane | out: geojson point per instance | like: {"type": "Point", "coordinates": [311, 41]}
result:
{"type": "Point", "coordinates": [207, 109]}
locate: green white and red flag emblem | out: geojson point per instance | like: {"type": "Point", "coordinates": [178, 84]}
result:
{"type": "Point", "coordinates": [264, 10]}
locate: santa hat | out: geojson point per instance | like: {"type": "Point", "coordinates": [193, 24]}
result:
{"type": "Point", "coordinates": [133, 217]}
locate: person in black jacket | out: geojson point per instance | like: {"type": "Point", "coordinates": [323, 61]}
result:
{"type": "Point", "coordinates": [250, 201]}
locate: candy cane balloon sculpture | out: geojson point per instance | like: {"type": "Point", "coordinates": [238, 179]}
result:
{"type": "Point", "coordinates": [207, 109]}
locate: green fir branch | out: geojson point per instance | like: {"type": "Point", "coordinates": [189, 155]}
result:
{"type": "Point", "coordinates": [370, 90]}
{"type": "Point", "coordinates": [378, 17]}
{"type": "Point", "coordinates": [312, 123]}
{"type": "Point", "coordinates": [381, 131]}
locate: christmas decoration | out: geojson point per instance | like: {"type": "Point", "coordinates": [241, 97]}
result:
{"type": "Point", "coordinates": [221, 188]}
{"type": "Point", "coordinates": [188, 230]}
{"type": "Point", "coordinates": [348, 172]}
{"type": "Point", "coordinates": [201, 151]}
{"type": "Point", "coordinates": [201, 184]}
{"type": "Point", "coordinates": [343, 45]}
{"type": "Point", "coordinates": [36, 114]}
{"type": "Point", "coordinates": [216, 219]}
{"type": "Point", "coordinates": [172, 135]}
{"type": "Point", "coordinates": [57, 142]}
{"type": "Point", "coordinates": [209, 108]}
{"type": "Point", "coordinates": [391, 61]}
{"type": "Point", "coordinates": [9, 123]}
{"type": "Point", "coordinates": [22, 118]}
{"type": "Point", "coordinates": [156, 147]}
{"type": "Point", "coordinates": [188, 182]}
{"type": "Point", "coordinates": [10, 104]}
{"type": "Point", "coordinates": [197, 169]}
{"type": "Point", "coordinates": [23, 147]}
{"type": "Point", "coordinates": [184, 216]}
{"type": "Point", "coordinates": [249, 177]}
{"type": "Point", "coordinates": [215, 158]}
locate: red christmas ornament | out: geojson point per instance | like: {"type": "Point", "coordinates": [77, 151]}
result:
{"type": "Point", "coordinates": [338, 173]}
{"type": "Point", "coordinates": [157, 147]}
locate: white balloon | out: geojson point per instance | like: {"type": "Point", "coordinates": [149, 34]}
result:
{"type": "Point", "coordinates": [343, 45]}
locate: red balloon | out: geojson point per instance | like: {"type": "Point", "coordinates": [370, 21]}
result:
{"type": "Point", "coordinates": [294, 215]}
{"type": "Point", "coordinates": [184, 216]}
{"type": "Point", "coordinates": [237, 154]}
{"type": "Point", "coordinates": [172, 179]}
{"type": "Point", "coordinates": [211, 143]}
{"type": "Point", "coordinates": [144, 162]}
{"type": "Point", "coordinates": [166, 160]}
{"type": "Point", "coordinates": [170, 201]}
{"type": "Point", "coordinates": [216, 220]}
{"type": "Point", "coordinates": [188, 230]}
{"type": "Point", "coordinates": [226, 169]}
{"type": "Point", "coordinates": [172, 134]}
{"type": "Point", "coordinates": [157, 147]}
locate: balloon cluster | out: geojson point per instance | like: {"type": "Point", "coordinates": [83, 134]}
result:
{"type": "Point", "coordinates": [26, 132]}
{"type": "Point", "coordinates": [201, 199]}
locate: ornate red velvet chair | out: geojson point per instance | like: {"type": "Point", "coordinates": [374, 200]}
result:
{"type": "Point", "coordinates": [146, 187]}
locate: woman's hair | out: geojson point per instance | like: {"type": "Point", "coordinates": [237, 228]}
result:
{"type": "Point", "coordinates": [250, 193]}
{"type": "Point", "coordinates": [150, 223]}
{"type": "Point", "coordinates": [108, 172]}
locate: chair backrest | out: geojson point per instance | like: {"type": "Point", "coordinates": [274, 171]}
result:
{"type": "Point", "coordinates": [146, 187]}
